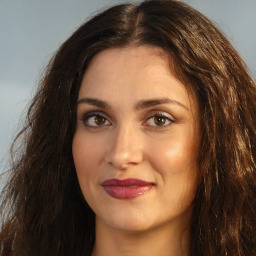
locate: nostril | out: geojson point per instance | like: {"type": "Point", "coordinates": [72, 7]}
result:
{"type": "Point", "coordinates": [122, 163]}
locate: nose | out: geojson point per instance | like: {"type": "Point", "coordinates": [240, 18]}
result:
{"type": "Point", "coordinates": [125, 148]}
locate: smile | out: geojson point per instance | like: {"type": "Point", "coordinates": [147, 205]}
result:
{"type": "Point", "coordinates": [126, 189]}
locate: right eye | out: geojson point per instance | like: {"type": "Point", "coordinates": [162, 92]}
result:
{"type": "Point", "coordinates": [95, 120]}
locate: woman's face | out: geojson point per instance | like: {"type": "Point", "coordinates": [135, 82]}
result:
{"type": "Point", "coordinates": [135, 144]}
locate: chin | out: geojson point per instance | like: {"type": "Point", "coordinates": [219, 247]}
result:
{"type": "Point", "coordinates": [131, 222]}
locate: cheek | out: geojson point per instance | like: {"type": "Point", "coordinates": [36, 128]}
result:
{"type": "Point", "coordinates": [177, 167]}
{"type": "Point", "coordinates": [176, 156]}
{"type": "Point", "coordinates": [86, 152]}
{"type": "Point", "coordinates": [84, 156]}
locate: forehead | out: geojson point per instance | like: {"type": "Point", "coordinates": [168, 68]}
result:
{"type": "Point", "coordinates": [143, 71]}
{"type": "Point", "coordinates": [130, 52]}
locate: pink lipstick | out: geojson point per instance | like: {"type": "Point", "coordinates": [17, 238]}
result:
{"type": "Point", "coordinates": [126, 189]}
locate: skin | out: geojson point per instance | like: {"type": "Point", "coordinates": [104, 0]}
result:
{"type": "Point", "coordinates": [128, 138]}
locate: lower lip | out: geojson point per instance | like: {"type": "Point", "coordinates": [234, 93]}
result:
{"type": "Point", "coordinates": [127, 192]}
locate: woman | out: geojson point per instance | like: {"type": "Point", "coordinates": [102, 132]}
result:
{"type": "Point", "coordinates": [140, 141]}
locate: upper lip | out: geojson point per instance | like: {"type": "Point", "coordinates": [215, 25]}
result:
{"type": "Point", "coordinates": [126, 182]}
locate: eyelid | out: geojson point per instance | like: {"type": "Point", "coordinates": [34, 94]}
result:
{"type": "Point", "coordinates": [89, 114]}
{"type": "Point", "coordinates": [148, 116]}
{"type": "Point", "coordinates": [159, 113]}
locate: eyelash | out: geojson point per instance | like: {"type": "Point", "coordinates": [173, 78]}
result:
{"type": "Point", "coordinates": [101, 115]}
{"type": "Point", "coordinates": [95, 114]}
{"type": "Point", "coordinates": [163, 115]}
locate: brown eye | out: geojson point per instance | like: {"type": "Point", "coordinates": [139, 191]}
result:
{"type": "Point", "coordinates": [160, 120]}
{"type": "Point", "coordinates": [99, 120]}
{"type": "Point", "coordinates": [95, 121]}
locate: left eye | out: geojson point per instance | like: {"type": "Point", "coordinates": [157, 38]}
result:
{"type": "Point", "coordinates": [96, 120]}
{"type": "Point", "coordinates": [158, 120]}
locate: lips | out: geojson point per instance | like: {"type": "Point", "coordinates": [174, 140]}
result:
{"type": "Point", "coordinates": [126, 189]}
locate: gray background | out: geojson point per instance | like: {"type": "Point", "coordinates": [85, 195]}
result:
{"type": "Point", "coordinates": [31, 30]}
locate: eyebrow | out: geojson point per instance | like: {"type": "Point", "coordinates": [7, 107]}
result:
{"type": "Point", "coordinates": [154, 102]}
{"type": "Point", "coordinates": [142, 104]}
{"type": "Point", "coordinates": [94, 102]}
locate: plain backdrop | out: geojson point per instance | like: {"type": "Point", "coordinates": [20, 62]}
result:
{"type": "Point", "coordinates": [32, 30]}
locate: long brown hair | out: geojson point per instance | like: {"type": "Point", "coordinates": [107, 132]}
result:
{"type": "Point", "coordinates": [43, 210]}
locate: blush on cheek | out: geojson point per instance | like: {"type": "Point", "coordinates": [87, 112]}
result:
{"type": "Point", "coordinates": [176, 158]}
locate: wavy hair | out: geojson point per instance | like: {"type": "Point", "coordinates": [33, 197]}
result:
{"type": "Point", "coordinates": [43, 210]}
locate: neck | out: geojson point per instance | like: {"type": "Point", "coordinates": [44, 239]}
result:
{"type": "Point", "coordinates": [168, 240]}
